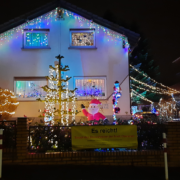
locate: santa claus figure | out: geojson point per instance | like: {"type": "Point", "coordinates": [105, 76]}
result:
{"type": "Point", "coordinates": [93, 111]}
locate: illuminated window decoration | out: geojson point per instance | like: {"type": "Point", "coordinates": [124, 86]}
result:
{"type": "Point", "coordinates": [30, 89]}
{"type": "Point", "coordinates": [82, 38]}
{"type": "Point", "coordinates": [116, 95]}
{"type": "Point", "coordinates": [45, 20]}
{"type": "Point", "coordinates": [36, 38]}
{"type": "Point", "coordinates": [88, 87]}
{"type": "Point", "coordinates": [171, 90]}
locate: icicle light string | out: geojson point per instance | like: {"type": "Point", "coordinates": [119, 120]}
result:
{"type": "Point", "coordinates": [174, 90]}
{"type": "Point", "coordinates": [139, 95]}
{"type": "Point", "coordinates": [48, 17]}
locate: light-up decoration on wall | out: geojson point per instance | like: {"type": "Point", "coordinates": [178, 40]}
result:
{"type": "Point", "coordinates": [88, 87]}
{"type": "Point", "coordinates": [36, 39]}
{"type": "Point", "coordinates": [29, 89]}
{"type": "Point", "coordinates": [82, 38]}
{"type": "Point", "coordinates": [44, 21]}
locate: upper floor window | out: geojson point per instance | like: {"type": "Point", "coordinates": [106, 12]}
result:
{"type": "Point", "coordinates": [90, 87]}
{"type": "Point", "coordinates": [36, 38]}
{"type": "Point", "coordinates": [29, 88]}
{"type": "Point", "coordinates": [82, 38]}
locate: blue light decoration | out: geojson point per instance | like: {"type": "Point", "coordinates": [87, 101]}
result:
{"type": "Point", "coordinates": [90, 92]}
{"type": "Point", "coordinates": [45, 20]}
{"type": "Point", "coordinates": [90, 87]}
{"type": "Point", "coordinates": [153, 110]}
{"type": "Point", "coordinates": [116, 96]}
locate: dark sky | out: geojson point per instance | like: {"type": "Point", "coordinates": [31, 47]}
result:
{"type": "Point", "coordinates": [157, 20]}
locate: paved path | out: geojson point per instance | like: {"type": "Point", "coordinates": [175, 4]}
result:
{"type": "Point", "coordinates": [86, 173]}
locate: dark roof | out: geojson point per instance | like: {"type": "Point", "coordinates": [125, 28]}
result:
{"type": "Point", "coordinates": [133, 37]}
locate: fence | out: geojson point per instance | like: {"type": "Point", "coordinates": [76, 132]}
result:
{"type": "Point", "coordinates": [58, 138]}
{"type": "Point", "coordinates": [9, 138]}
{"type": "Point", "coordinates": [49, 138]}
{"type": "Point", "coordinates": [145, 156]}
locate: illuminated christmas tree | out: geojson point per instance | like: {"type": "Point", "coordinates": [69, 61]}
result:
{"type": "Point", "coordinates": [8, 104]}
{"type": "Point", "coordinates": [59, 95]}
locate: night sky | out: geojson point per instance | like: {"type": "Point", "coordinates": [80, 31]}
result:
{"type": "Point", "coordinates": [157, 20]}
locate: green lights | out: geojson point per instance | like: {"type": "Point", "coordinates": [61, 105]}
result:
{"type": "Point", "coordinates": [36, 39]}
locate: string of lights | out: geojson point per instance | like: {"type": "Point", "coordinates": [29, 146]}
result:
{"type": "Point", "coordinates": [67, 102]}
{"type": "Point", "coordinates": [140, 96]}
{"type": "Point", "coordinates": [174, 90]}
{"type": "Point", "coordinates": [151, 87]}
{"type": "Point", "coordinates": [146, 89]}
{"type": "Point", "coordinates": [48, 18]}
{"type": "Point", "coordinates": [73, 107]}
{"type": "Point", "coordinates": [8, 102]}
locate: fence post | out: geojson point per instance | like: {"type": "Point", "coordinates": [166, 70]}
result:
{"type": "Point", "coordinates": [21, 138]}
{"type": "Point", "coordinates": [1, 145]}
{"type": "Point", "coordinates": [165, 156]}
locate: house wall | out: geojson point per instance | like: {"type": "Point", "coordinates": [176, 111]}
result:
{"type": "Point", "coordinates": [109, 59]}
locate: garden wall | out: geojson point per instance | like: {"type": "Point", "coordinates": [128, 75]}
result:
{"type": "Point", "coordinates": [131, 158]}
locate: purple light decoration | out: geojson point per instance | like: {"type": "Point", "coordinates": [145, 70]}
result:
{"type": "Point", "coordinates": [90, 92]}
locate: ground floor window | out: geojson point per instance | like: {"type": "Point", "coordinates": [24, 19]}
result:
{"type": "Point", "coordinates": [90, 87]}
{"type": "Point", "coordinates": [29, 88]}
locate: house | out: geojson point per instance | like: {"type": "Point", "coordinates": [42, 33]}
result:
{"type": "Point", "coordinates": [95, 50]}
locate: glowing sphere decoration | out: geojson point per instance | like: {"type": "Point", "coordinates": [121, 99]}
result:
{"type": "Point", "coordinates": [117, 110]}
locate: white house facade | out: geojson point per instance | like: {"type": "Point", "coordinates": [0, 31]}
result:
{"type": "Point", "coordinates": [96, 54]}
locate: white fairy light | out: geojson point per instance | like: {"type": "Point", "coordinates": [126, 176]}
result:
{"type": "Point", "coordinates": [171, 89]}
{"type": "Point", "coordinates": [139, 95]}
{"type": "Point", "coordinates": [67, 102]}
{"type": "Point", "coordinates": [73, 107]}
{"type": "Point", "coordinates": [146, 89]}
{"type": "Point", "coordinates": [152, 87]}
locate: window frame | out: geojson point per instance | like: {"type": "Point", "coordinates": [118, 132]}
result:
{"type": "Point", "coordinates": [28, 79]}
{"type": "Point", "coordinates": [82, 30]}
{"type": "Point", "coordinates": [37, 31]}
{"type": "Point", "coordinates": [90, 77]}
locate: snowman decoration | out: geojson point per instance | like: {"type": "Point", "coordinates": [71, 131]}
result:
{"type": "Point", "coordinates": [93, 111]}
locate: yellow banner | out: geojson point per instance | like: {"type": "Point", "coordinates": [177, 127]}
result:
{"type": "Point", "coordinates": [85, 137]}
